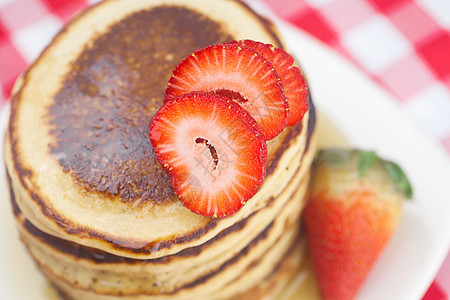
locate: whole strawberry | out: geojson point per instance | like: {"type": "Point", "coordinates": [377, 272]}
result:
{"type": "Point", "coordinates": [355, 205]}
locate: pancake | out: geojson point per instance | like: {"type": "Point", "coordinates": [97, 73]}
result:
{"type": "Point", "coordinates": [93, 206]}
{"type": "Point", "coordinates": [92, 272]}
{"type": "Point", "coordinates": [270, 285]}
{"type": "Point", "coordinates": [77, 150]}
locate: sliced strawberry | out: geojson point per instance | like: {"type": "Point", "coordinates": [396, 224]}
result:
{"type": "Point", "coordinates": [213, 150]}
{"type": "Point", "coordinates": [240, 73]}
{"type": "Point", "coordinates": [294, 84]}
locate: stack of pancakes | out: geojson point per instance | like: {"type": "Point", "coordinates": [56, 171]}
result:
{"type": "Point", "coordinates": [95, 209]}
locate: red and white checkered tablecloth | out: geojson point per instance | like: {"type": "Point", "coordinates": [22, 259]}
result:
{"type": "Point", "coordinates": [404, 45]}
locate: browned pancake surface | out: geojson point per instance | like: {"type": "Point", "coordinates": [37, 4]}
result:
{"type": "Point", "coordinates": [101, 114]}
{"type": "Point", "coordinates": [88, 174]}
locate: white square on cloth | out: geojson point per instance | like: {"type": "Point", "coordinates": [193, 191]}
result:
{"type": "Point", "coordinates": [5, 2]}
{"type": "Point", "coordinates": [438, 9]}
{"type": "Point", "coordinates": [376, 44]}
{"type": "Point", "coordinates": [318, 3]}
{"type": "Point", "coordinates": [32, 39]}
{"type": "Point", "coordinates": [431, 109]}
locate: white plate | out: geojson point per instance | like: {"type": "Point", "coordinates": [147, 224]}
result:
{"type": "Point", "coordinates": [370, 119]}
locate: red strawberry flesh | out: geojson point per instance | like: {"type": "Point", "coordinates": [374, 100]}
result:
{"type": "Point", "coordinates": [213, 151]}
{"type": "Point", "coordinates": [355, 205]}
{"type": "Point", "coordinates": [294, 84]}
{"type": "Point", "coordinates": [236, 71]}
{"type": "Point", "coordinates": [346, 241]}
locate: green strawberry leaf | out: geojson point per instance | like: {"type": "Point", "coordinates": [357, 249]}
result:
{"type": "Point", "coordinates": [399, 177]}
{"type": "Point", "coordinates": [366, 161]}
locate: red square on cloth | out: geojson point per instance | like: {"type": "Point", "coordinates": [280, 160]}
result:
{"type": "Point", "coordinates": [385, 5]}
{"type": "Point", "coordinates": [435, 293]}
{"type": "Point", "coordinates": [6, 90]}
{"type": "Point", "coordinates": [436, 52]}
{"type": "Point", "coordinates": [3, 32]}
{"type": "Point", "coordinates": [413, 22]}
{"type": "Point", "coordinates": [287, 8]}
{"type": "Point", "coordinates": [312, 21]}
{"type": "Point", "coordinates": [11, 67]}
{"type": "Point", "coordinates": [64, 9]}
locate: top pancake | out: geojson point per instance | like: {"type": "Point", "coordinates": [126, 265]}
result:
{"type": "Point", "coordinates": [78, 152]}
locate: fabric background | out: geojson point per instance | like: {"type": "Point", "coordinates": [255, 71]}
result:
{"type": "Point", "coordinates": [404, 45]}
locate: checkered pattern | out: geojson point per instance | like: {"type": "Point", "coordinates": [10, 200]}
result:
{"type": "Point", "coordinates": [26, 27]}
{"type": "Point", "coordinates": [402, 44]}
